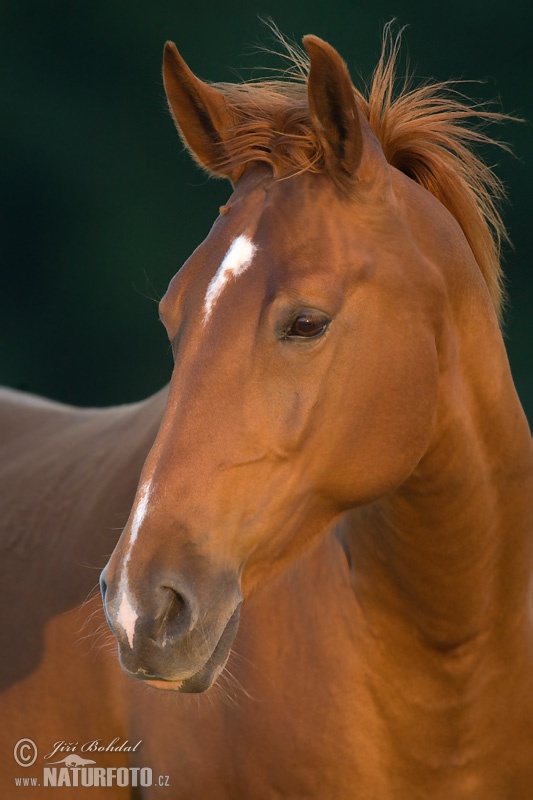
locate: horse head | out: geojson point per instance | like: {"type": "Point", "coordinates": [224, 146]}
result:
{"type": "Point", "coordinates": [305, 332]}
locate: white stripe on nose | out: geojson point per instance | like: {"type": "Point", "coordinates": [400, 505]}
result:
{"type": "Point", "coordinates": [138, 518]}
{"type": "Point", "coordinates": [235, 262]}
{"type": "Point", "coordinates": [127, 615]}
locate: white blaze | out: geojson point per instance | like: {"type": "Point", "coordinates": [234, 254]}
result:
{"type": "Point", "coordinates": [235, 262]}
{"type": "Point", "coordinates": [127, 615]}
{"type": "Point", "coordinates": [138, 517]}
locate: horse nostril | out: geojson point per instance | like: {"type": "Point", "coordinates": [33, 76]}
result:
{"type": "Point", "coordinates": [175, 617]}
{"type": "Point", "coordinates": [177, 605]}
{"type": "Point", "coordinates": [103, 591]}
{"type": "Point", "coordinates": [103, 586]}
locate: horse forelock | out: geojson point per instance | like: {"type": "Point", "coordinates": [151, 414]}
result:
{"type": "Point", "coordinates": [427, 132]}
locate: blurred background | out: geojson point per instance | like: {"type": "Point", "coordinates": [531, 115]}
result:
{"type": "Point", "coordinates": [100, 205]}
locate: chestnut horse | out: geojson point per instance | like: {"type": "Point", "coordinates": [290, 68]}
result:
{"type": "Point", "coordinates": [332, 521]}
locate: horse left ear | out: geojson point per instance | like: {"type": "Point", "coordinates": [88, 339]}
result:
{"type": "Point", "coordinates": [199, 111]}
{"type": "Point", "coordinates": [344, 134]}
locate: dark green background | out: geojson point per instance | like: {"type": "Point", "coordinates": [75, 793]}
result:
{"type": "Point", "coordinates": [100, 205]}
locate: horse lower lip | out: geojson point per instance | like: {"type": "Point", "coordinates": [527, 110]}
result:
{"type": "Point", "coordinates": [169, 686]}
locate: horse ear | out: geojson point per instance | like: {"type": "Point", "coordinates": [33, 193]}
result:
{"type": "Point", "coordinates": [199, 111]}
{"type": "Point", "coordinates": [345, 136]}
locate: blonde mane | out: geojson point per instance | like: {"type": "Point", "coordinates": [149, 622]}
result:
{"type": "Point", "coordinates": [428, 132]}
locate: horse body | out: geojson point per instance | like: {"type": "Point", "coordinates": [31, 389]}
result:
{"type": "Point", "coordinates": [334, 518]}
{"type": "Point", "coordinates": [68, 478]}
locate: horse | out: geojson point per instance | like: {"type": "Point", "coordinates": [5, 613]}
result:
{"type": "Point", "coordinates": [321, 566]}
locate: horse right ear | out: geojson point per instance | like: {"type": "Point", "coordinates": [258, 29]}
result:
{"type": "Point", "coordinates": [350, 148]}
{"type": "Point", "coordinates": [199, 111]}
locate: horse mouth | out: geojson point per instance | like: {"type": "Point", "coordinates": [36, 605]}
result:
{"type": "Point", "coordinates": [168, 686]}
{"type": "Point", "coordinates": [206, 676]}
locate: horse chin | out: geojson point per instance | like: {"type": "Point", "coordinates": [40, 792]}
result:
{"type": "Point", "coordinates": [197, 683]}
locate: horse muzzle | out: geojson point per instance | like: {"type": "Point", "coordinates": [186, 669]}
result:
{"type": "Point", "coordinates": [173, 638]}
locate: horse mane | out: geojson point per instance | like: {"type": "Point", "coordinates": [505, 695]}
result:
{"type": "Point", "coordinates": [427, 132]}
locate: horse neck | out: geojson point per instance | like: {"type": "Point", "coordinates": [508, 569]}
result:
{"type": "Point", "coordinates": [442, 565]}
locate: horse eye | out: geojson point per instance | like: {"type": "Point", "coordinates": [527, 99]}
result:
{"type": "Point", "coordinates": [307, 325]}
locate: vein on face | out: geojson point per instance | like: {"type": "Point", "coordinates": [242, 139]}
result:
{"type": "Point", "coordinates": [236, 261]}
